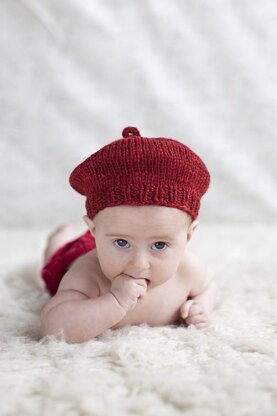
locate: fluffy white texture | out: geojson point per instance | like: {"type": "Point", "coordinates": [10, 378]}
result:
{"type": "Point", "coordinates": [228, 369]}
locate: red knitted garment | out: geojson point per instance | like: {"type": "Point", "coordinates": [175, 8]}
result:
{"type": "Point", "coordinates": [60, 262]}
{"type": "Point", "coordinates": [139, 170]}
{"type": "Point", "coordinates": [134, 170]}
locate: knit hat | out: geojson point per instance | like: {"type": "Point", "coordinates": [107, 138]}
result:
{"type": "Point", "coordinates": [139, 170]}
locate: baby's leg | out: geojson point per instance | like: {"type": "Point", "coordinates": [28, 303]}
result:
{"type": "Point", "coordinates": [57, 239]}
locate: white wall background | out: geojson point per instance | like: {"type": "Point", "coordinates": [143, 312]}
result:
{"type": "Point", "coordinates": [73, 73]}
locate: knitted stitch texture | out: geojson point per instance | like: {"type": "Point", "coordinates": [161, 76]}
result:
{"type": "Point", "coordinates": [139, 170]}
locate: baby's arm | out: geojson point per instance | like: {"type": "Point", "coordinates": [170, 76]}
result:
{"type": "Point", "coordinates": [203, 296]}
{"type": "Point", "coordinates": [80, 316]}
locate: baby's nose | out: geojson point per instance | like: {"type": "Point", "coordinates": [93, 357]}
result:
{"type": "Point", "coordinates": [139, 262]}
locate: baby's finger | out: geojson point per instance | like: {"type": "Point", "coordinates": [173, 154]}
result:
{"type": "Point", "coordinates": [185, 308]}
{"type": "Point", "coordinates": [196, 319]}
{"type": "Point", "coordinates": [202, 325]}
{"type": "Point", "coordinates": [142, 282]}
{"type": "Point", "coordinates": [195, 310]}
{"type": "Point", "coordinates": [143, 291]}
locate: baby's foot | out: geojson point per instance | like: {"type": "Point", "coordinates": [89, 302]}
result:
{"type": "Point", "coordinates": [57, 239]}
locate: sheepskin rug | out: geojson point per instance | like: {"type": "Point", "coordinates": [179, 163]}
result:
{"type": "Point", "coordinates": [228, 369]}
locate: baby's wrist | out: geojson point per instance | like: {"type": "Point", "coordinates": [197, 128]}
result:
{"type": "Point", "coordinates": [121, 305]}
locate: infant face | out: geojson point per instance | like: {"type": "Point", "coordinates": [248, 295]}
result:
{"type": "Point", "coordinates": [140, 241]}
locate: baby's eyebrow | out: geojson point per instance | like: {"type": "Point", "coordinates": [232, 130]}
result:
{"type": "Point", "coordinates": [155, 237]}
{"type": "Point", "coordinates": [161, 237]}
{"type": "Point", "coordinates": [117, 234]}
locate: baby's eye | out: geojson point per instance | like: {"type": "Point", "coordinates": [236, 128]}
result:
{"type": "Point", "coordinates": [159, 245]}
{"type": "Point", "coordinates": [121, 243]}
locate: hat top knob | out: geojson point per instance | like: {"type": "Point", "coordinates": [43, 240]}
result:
{"type": "Point", "coordinates": [130, 131]}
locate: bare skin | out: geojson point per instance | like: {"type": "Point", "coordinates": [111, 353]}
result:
{"type": "Point", "coordinates": [131, 278]}
{"type": "Point", "coordinates": [57, 239]}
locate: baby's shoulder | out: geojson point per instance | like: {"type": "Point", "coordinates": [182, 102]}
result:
{"type": "Point", "coordinates": [83, 276]}
{"type": "Point", "coordinates": [190, 260]}
{"type": "Point", "coordinates": [193, 269]}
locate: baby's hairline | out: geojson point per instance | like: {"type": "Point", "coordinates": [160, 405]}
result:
{"type": "Point", "coordinates": [189, 218]}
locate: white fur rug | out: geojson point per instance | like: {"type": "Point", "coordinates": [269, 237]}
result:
{"type": "Point", "coordinates": [228, 369]}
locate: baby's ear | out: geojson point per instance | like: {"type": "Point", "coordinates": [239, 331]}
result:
{"type": "Point", "coordinates": [89, 223]}
{"type": "Point", "coordinates": [191, 229]}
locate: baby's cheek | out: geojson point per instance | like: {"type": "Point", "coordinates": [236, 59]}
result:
{"type": "Point", "coordinates": [109, 268]}
{"type": "Point", "coordinates": [161, 275]}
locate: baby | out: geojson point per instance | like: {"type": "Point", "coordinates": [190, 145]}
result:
{"type": "Point", "coordinates": [132, 266]}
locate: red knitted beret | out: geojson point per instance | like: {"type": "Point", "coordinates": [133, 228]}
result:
{"type": "Point", "coordinates": [139, 170]}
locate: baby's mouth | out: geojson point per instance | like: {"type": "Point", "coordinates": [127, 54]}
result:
{"type": "Point", "coordinates": [138, 277]}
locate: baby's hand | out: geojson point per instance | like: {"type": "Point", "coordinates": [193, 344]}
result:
{"type": "Point", "coordinates": [193, 314]}
{"type": "Point", "coordinates": [127, 290]}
